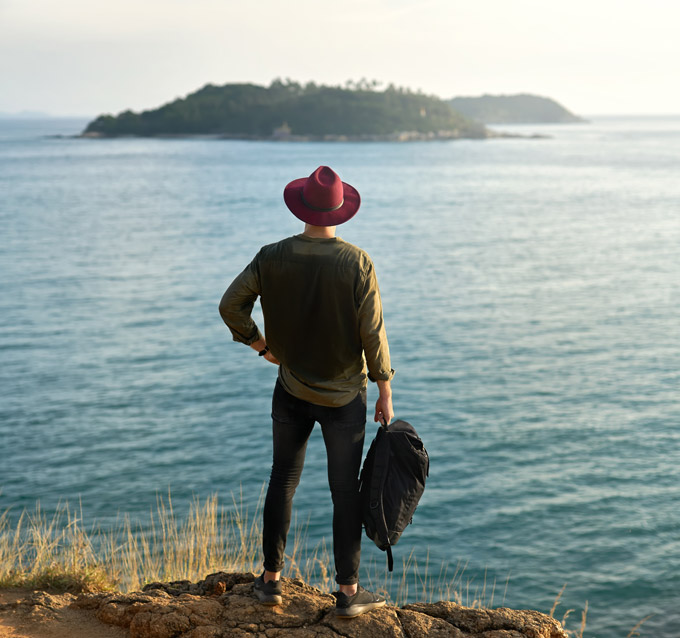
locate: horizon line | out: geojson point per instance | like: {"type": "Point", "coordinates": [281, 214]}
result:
{"type": "Point", "coordinates": [31, 114]}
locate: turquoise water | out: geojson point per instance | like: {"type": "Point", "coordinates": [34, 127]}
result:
{"type": "Point", "coordinates": [531, 292]}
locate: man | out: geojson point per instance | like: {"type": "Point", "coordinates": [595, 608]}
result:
{"type": "Point", "coordinates": [323, 328]}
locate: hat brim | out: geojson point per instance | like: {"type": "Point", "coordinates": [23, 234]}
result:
{"type": "Point", "coordinates": [292, 195]}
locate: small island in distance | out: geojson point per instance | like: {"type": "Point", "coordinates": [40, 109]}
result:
{"type": "Point", "coordinates": [295, 112]}
{"type": "Point", "coordinates": [522, 108]}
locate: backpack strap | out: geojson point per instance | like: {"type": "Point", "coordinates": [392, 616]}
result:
{"type": "Point", "coordinates": [381, 462]}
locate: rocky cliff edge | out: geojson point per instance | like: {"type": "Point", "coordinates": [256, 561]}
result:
{"type": "Point", "coordinates": [224, 606]}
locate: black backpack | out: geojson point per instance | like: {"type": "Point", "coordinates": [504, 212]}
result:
{"type": "Point", "coordinates": [391, 484]}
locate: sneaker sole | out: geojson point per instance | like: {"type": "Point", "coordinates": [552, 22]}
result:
{"type": "Point", "coordinates": [356, 610]}
{"type": "Point", "coordinates": [271, 599]}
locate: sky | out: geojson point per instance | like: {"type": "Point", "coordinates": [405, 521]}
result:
{"type": "Point", "coordinates": [86, 57]}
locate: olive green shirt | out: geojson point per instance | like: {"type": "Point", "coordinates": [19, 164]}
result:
{"type": "Point", "coordinates": [322, 316]}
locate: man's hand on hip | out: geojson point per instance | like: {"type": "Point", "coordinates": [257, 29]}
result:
{"type": "Point", "coordinates": [260, 345]}
{"type": "Point", "coordinates": [271, 358]}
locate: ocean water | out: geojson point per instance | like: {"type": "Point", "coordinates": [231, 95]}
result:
{"type": "Point", "coordinates": [531, 291]}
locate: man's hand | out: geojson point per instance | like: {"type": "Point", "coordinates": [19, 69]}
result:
{"type": "Point", "coordinates": [383, 406]}
{"type": "Point", "coordinates": [271, 358]}
{"type": "Point", "coordinates": [259, 346]}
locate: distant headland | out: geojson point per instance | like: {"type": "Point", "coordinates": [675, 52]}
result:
{"type": "Point", "coordinates": [294, 112]}
{"type": "Point", "coordinates": [522, 108]}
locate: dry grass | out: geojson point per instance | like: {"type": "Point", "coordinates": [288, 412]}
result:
{"type": "Point", "coordinates": [55, 553]}
{"type": "Point", "coordinates": [577, 633]}
{"type": "Point", "coordinates": [633, 633]}
{"type": "Point", "coordinates": [59, 553]}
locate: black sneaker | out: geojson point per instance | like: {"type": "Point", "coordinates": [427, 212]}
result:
{"type": "Point", "coordinates": [352, 606]}
{"type": "Point", "coordinates": [269, 593]}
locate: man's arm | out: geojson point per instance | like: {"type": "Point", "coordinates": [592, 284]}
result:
{"type": "Point", "coordinates": [237, 304]}
{"type": "Point", "coordinates": [236, 307]}
{"type": "Point", "coordinates": [374, 342]}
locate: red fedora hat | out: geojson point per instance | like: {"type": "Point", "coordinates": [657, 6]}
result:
{"type": "Point", "coordinates": [322, 199]}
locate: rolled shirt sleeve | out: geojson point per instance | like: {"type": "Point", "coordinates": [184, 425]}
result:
{"type": "Point", "coordinates": [372, 329]}
{"type": "Point", "coordinates": [237, 304]}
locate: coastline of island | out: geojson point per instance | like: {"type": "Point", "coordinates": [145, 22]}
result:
{"type": "Point", "coordinates": [401, 136]}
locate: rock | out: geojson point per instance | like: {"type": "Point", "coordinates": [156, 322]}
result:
{"type": "Point", "coordinates": [38, 606]}
{"type": "Point", "coordinates": [531, 624]}
{"type": "Point", "coordinates": [223, 606]}
{"type": "Point", "coordinates": [38, 613]}
{"type": "Point", "coordinates": [120, 610]}
{"type": "Point", "coordinates": [213, 585]}
{"type": "Point", "coordinates": [160, 623]}
{"type": "Point", "coordinates": [417, 624]}
{"type": "Point", "coordinates": [383, 623]}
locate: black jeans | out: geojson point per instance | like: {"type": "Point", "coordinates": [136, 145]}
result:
{"type": "Point", "coordinates": [343, 433]}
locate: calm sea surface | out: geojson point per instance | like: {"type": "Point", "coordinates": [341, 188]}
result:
{"type": "Point", "coordinates": [532, 299]}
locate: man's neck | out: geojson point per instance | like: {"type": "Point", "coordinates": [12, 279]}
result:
{"type": "Point", "coordinates": [322, 232]}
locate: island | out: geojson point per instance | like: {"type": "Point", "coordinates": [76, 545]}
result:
{"type": "Point", "coordinates": [287, 110]}
{"type": "Point", "coordinates": [522, 108]}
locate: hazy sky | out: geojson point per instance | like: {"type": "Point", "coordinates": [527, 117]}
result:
{"type": "Point", "coordinates": [93, 56]}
